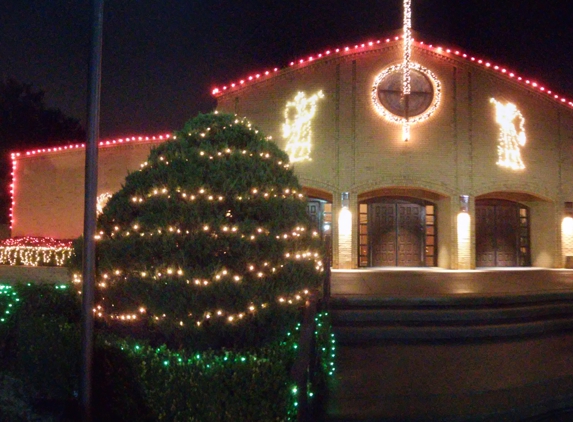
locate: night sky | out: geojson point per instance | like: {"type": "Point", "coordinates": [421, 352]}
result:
{"type": "Point", "coordinates": [162, 58]}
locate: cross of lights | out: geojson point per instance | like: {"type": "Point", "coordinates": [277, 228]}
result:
{"type": "Point", "coordinates": [406, 67]}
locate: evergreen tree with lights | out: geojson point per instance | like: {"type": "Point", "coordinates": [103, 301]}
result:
{"type": "Point", "coordinates": [208, 244]}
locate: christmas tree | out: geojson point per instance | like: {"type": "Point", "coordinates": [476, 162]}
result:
{"type": "Point", "coordinates": [209, 236]}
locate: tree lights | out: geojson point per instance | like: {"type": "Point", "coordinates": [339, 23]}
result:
{"type": "Point", "coordinates": [511, 135]}
{"type": "Point", "coordinates": [211, 230]}
{"type": "Point", "coordinates": [253, 384]}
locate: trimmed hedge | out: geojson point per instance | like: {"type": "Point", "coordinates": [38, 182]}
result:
{"type": "Point", "coordinates": [205, 238]}
{"type": "Point", "coordinates": [39, 345]}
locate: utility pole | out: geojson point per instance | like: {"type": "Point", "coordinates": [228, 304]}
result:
{"type": "Point", "coordinates": [94, 93]}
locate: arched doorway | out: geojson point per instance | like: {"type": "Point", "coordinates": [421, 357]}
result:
{"type": "Point", "coordinates": [502, 233]}
{"type": "Point", "coordinates": [398, 231]}
{"type": "Point", "coordinates": [319, 210]}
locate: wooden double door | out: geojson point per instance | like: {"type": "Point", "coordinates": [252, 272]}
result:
{"type": "Point", "coordinates": [397, 233]}
{"type": "Point", "coordinates": [320, 214]}
{"type": "Point", "coordinates": [502, 234]}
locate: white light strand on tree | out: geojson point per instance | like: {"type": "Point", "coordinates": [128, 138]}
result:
{"type": "Point", "coordinates": [250, 272]}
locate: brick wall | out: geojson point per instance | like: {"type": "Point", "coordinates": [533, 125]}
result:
{"type": "Point", "coordinates": [454, 152]}
{"type": "Point", "coordinates": [356, 150]}
{"type": "Point", "coordinates": [49, 187]}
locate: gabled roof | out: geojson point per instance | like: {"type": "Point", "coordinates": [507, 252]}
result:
{"type": "Point", "coordinates": [377, 44]}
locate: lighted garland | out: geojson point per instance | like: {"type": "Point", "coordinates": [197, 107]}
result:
{"type": "Point", "coordinates": [219, 315]}
{"type": "Point", "coordinates": [207, 194]}
{"type": "Point", "coordinates": [225, 153]}
{"type": "Point", "coordinates": [261, 270]}
{"type": "Point", "coordinates": [174, 230]}
{"type": "Point", "coordinates": [35, 251]}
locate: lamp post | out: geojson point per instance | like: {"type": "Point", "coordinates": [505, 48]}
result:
{"type": "Point", "coordinates": [90, 204]}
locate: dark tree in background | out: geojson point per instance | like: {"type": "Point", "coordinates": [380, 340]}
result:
{"type": "Point", "coordinates": [26, 122]}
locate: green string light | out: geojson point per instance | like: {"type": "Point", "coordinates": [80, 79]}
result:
{"type": "Point", "coordinates": [9, 294]}
{"type": "Point", "coordinates": [212, 360]}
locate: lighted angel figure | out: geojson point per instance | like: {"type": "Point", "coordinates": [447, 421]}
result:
{"type": "Point", "coordinates": [511, 135]}
{"type": "Point", "coordinates": [102, 202]}
{"type": "Point", "coordinates": [297, 129]}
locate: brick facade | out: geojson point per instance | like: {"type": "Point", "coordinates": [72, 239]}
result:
{"type": "Point", "coordinates": [452, 153]}
{"type": "Point", "coordinates": [356, 150]}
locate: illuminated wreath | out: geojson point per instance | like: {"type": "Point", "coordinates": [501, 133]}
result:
{"type": "Point", "coordinates": [425, 94]}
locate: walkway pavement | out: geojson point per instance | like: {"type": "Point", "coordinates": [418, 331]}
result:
{"type": "Point", "coordinates": [23, 274]}
{"type": "Point", "coordinates": [469, 380]}
{"type": "Point", "coordinates": [426, 283]}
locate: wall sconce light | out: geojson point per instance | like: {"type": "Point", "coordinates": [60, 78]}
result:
{"type": "Point", "coordinates": [464, 234]}
{"type": "Point", "coordinates": [465, 203]}
{"type": "Point", "coordinates": [345, 197]}
{"type": "Point", "coordinates": [345, 233]}
{"type": "Point", "coordinates": [567, 235]}
{"type": "Point", "coordinates": [568, 209]}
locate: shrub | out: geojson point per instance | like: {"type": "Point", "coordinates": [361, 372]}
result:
{"type": "Point", "coordinates": [41, 341]}
{"type": "Point", "coordinates": [40, 350]}
{"type": "Point", "coordinates": [207, 240]}
{"type": "Point", "coordinates": [135, 381]}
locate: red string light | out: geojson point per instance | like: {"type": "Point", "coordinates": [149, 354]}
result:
{"type": "Point", "coordinates": [374, 44]}
{"type": "Point", "coordinates": [42, 242]}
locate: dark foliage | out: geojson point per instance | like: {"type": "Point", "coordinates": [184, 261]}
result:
{"type": "Point", "coordinates": [39, 346]}
{"type": "Point", "coordinates": [26, 122]}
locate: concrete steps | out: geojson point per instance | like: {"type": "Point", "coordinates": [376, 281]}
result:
{"type": "Point", "coordinates": [371, 319]}
{"type": "Point", "coordinates": [453, 358]}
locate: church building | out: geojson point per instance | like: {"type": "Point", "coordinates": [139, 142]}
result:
{"type": "Point", "coordinates": [411, 155]}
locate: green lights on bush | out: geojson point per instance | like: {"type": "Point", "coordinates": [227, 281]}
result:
{"type": "Point", "coordinates": [9, 296]}
{"type": "Point", "coordinates": [169, 378]}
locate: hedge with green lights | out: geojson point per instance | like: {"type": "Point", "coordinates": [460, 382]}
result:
{"type": "Point", "coordinates": [39, 345]}
{"type": "Point", "coordinates": [209, 237]}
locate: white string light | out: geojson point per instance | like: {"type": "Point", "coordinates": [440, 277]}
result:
{"type": "Point", "coordinates": [35, 251]}
{"type": "Point", "coordinates": [511, 135]}
{"type": "Point", "coordinates": [391, 117]}
{"type": "Point", "coordinates": [297, 129]}
{"type": "Point", "coordinates": [406, 77]}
